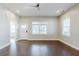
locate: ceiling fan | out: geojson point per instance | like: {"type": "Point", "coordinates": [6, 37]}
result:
{"type": "Point", "coordinates": [37, 5]}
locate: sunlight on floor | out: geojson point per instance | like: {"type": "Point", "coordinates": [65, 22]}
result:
{"type": "Point", "coordinates": [13, 50]}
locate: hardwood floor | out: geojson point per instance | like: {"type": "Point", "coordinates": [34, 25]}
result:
{"type": "Point", "coordinates": [38, 48]}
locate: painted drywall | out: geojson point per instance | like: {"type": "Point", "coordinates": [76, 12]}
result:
{"type": "Point", "coordinates": [73, 39]}
{"type": "Point", "coordinates": [6, 17]}
{"type": "Point", "coordinates": [4, 28]}
{"type": "Point", "coordinates": [13, 22]}
{"type": "Point", "coordinates": [52, 27]}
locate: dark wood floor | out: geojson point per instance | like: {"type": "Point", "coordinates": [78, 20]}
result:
{"type": "Point", "coordinates": [38, 48]}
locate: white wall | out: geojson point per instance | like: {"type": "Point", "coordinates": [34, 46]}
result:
{"type": "Point", "coordinates": [73, 39]}
{"type": "Point", "coordinates": [52, 27]}
{"type": "Point", "coordinates": [13, 22]}
{"type": "Point", "coordinates": [4, 28]}
{"type": "Point", "coordinates": [5, 18]}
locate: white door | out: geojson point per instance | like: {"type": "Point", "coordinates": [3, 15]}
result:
{"type": "Point", "coordinates": [24, 31]}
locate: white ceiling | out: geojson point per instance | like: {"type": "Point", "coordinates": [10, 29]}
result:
{"type": "Point", "coordinates": [46, 9]}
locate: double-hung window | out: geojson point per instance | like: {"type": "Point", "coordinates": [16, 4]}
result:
{"type": "Point", "coordinates": [39, 28]}
{"type": "Point", "coordinates": [66, 27]}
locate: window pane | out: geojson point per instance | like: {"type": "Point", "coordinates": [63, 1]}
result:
{"type": "Point", "coordinates": [35, 29]}
{"type": "Point", "coordinates": [12, 28]}
{"type": "Point", "coordinates": [39, 28]}
{"type": "Point", "coordinates": [66, 27]}
{"type": "Point", "coordinates": [43, 29]}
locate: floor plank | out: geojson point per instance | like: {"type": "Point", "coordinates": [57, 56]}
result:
{"type": "Point", "coordinates": [38, 48]}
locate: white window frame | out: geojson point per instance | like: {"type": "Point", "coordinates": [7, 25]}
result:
{"type": "Point", "coordinates": [66, 26]}
{"type": "Point", "coordinates": [32, 29]}
{"type": "Point", "coordinates": [39, 31]}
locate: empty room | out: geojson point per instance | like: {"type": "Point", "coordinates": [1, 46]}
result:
{"type": "Point", "coordinates": [39, 29]}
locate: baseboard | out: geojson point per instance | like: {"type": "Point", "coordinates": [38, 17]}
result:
{"type": "Point", "coordinates": [43, 39]}
{"type": "Point", "coordinates": [4, 46]}
{"type": "Point", "coordinates": [38, 39]}
{"type": "Point", "coordinates": [21, 39]}
{"type": "Point", "coordinates": [73, 46]}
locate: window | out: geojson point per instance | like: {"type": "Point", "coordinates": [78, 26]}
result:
{"type": "Point", "coordinates": [43, 29]}
{"type": "Point", "coordinates": [35, 28]}
{"type": "Point", "coordinates": [66, 27]}
{"type": "Point", "coordinates": [12, 28]}
{"type": "Point", "coordinates": [38, 28]}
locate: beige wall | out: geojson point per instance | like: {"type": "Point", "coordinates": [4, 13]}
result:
{"type": "Point", "coordinates": [73, 39]}
{"type": "Point", "coordinates": [52, 27]}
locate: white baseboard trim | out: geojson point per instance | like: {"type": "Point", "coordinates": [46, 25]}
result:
{"type": "Point", "coordinates": [43, 39]}
{"type": "Point", "coordinates": [73, 46]}
{"type": "Point", "coordinates": [38, 39]}
{"type": "Point", "coordinates": [4, 46]}
{"type": "Point", "coordinates": [21, 39]}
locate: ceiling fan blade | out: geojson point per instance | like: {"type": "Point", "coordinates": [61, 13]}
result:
{"type": "Point", "coordinates": [34, 6]}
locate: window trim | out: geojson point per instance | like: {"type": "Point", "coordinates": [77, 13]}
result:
{"type": "Point", "coordinates": [39, 29]}
{"type": "Point", "coordinates": [66, 27]}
